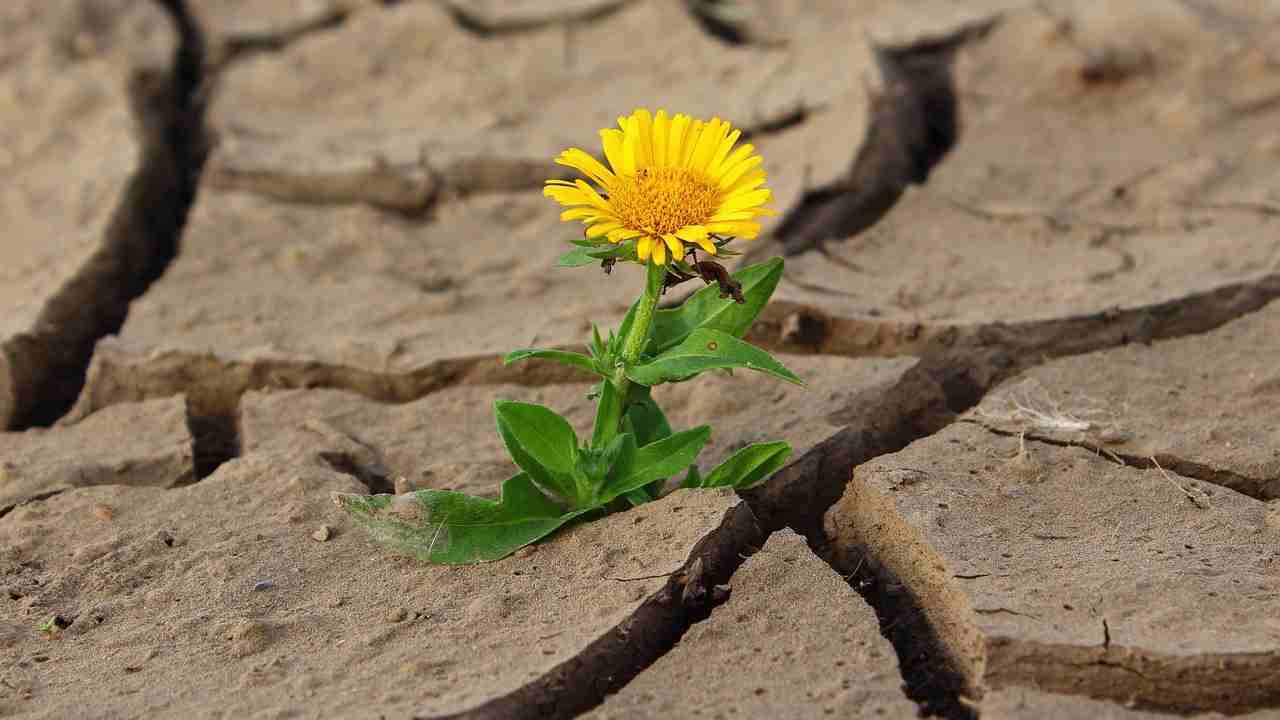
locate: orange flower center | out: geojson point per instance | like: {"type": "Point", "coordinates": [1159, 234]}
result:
{"type": "Point", "coordinates": [660, 201]}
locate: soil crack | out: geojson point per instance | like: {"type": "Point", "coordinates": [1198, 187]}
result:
{"type": "Point", "coordinates": [954, 373]}
{"type": "Point", "coordinates": [486, 26]}
{"type": "Point", "coordinates": [1258, 488]}
{"type": "Point", "coordinates": [914, 123]}
{"type": "Point", "coordinates": [140, 240]}
{"type": "Point", "coordinates": [616, 658]}
{"type": "Point", "coordinates": [1229, 683]}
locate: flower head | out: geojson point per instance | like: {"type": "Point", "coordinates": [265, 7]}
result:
{"type": "Point", "coordinates": [670, 181]}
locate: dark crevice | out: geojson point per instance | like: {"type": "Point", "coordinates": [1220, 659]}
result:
{"type": "Point", "coordinates": [1176, 684]}
{"type": "Point", "coordinates": [914, 123]}
{"type": "Point", "coordinates": [488, 27]}
{"type": "Point", "coordinates": [5, 510]}
{"type": "Point", "coordinates": [782, 121]}
{"type": "Point", "coordinates": [140, 240]}
{"type": "Point", "coordinates": [714, 17]}
{"type": "Point", "coordinates": [237, 46]}
{"type": "Point", "coordinates": [955, 371]}
{"type": "Point", "coordinates": [930, 678]}
{"type": "Point", "coordinates": [372, 475]}
{"type": "Point", "coordinates": [215, 439]}
{"type": "Point", "coordinates": [1258, 488]}
{"type": "Point", "coordinates": [605, 666]}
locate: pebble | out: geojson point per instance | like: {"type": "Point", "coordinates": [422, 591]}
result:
{"type": "Point", "coordinates": [396, 615]}
{"type": "Point", "coordinates": [404, 485]}
{"type": "Point", "coordinates": [263, 585]}
{"type": "Point", "coordinates": [103, 512]}
{"type": "Point", "coordinates": [322, 534]}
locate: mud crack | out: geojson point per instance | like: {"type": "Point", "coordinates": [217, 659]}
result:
{"type": "Point", "coordinates": [1258, 488]}
{"type": "Point", "coordinates": [488, 25]}
{"type": "Point", "coordinates": [956, 369]}
{"type": "Point", "coordinates": [1228, 683]}
{"type": "Point", "coordinates": [606, 665]}
{"type": "Point", "coordinates": [46, 368]}
{"type": "Point", "coordinates": [914, 122]}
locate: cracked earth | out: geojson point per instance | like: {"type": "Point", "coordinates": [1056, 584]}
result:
{"type": "Point", "coordinates": [256, 252]}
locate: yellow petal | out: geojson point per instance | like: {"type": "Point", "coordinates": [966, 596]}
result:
{"type": "Point", "coordinates": [675, 146]}
{"type": "Point", "coordinates": [581, 161]}
{"type": "Point", "coordinates": [642, 126]}
{"type": "Point", "coordinates": [659, 251]}
{"type": "Point", "coordinates": [594, 197]}
{"type": "Point", "coordinates": [618, 236]}
{"type": "Point", "coordinates": [731, 216]}
{"type": "Point", "coordinates": [566, 196]}
{"type": "Point", "coordinates": [629, 154]}
{"type": "Point", "coordinates": [717, 159]}
{"type": "Point", "coordinates": [712, 134]}
{"type": "Point", "coordinates": [691, 141]}
{"type": "Point", "coordinates": [602, 229]}
{"type": "Point", "coordinates": [735, 228]}
{"type": "Point", "coordinates": [692, 233]}
{"type": "Point", "coordinates": [752, 199]}
{"type": "Point", "coordinates": [580, 213]}
{"type": "Point", "coordinates": [677, 248]}
{"type": "Point", "coordinates": [732, 161]}
{"type": "Point", "coordinates": [697, 234]}
{"type": "Point", "coordinates": [611, 140]}
{"type": "Point", "coordinates": [643, 246]}
{"type": "Point", "coordinates": [746, 183]}
{"type": "Point", "coordinates": [661, 135]}
{"type": "Point", "coordinates": [732, 175]}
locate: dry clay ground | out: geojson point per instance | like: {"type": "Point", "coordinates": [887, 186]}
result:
{"type": "Point", "coordinates": [259, 251]}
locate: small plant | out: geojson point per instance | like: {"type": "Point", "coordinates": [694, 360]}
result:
{"type": "Point", "coordinates": [675, 187]}
{"type": "Point", "coordinates": [50, 627]}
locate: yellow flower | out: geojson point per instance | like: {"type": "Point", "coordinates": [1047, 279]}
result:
{"type": "Point", "coordinates": [670, 181]}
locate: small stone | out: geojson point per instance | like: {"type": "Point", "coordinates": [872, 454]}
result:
{"type": "Point", "coordinates": [396, 615]}
{"type": "Point", "coordinates": [262, 585]}
{"type": "Point", "coordinates": [103, 512]}
{"type": "Point", "coordinates": [404, 485]}
{"type": "Point", "coordinates": [322, 533]}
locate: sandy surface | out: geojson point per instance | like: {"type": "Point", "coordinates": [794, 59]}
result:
{"type": "Point", "coordinates": [196, 350]}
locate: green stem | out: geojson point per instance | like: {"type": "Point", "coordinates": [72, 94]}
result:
{"type": "Point", "coordinates": [612, 409]}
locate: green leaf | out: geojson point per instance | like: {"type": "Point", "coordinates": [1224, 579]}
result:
{"type": "Point", "coordinates": [576, 257]}
{"type": "Point", "coordinates": [693, 479]}
{"type": "Point", "coordinates": [638, 497]}
{"type": "Point", "coordinates": [565, 357]}
{"type": "Point", "coordinates": [707, 350]}
{"type": "Point", "coordinates": [646, 419]}
{"type": "Point", "coordinates": [649, 424]}
{"type": "Point", "coordinates": [608, 408]}
{"type": "Point", "coordinates": [608, 251]}
{"type": "Point", "coordinates": [705, 309]}
{"type": "Point", "coordinates": [449, 527]}
{"type": "Point", "coordinates": [748, 467]}
{"type": "Point", "coordinates": [586, 252]}
{"type": "Point", "coordinates": [543, 444]}
{"type": "Point", "coordinates": [597, 345]}
{"type": "Point", "coordinates": [624, 329]}
{"type": "Point", "coordinates": [594, 463]}
{"type": "Point", "coordinates": [636, 468]}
